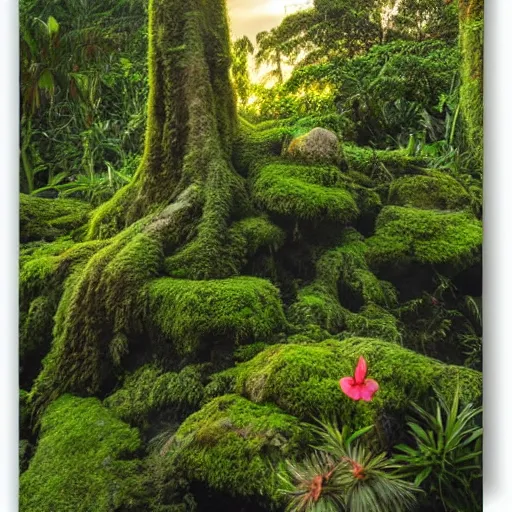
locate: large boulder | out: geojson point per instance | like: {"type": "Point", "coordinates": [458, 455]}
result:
{"type": "Point", "coordinates": [84, 460]}
{"type": "Point", "coordinates": [317, 146]}
{"type": "Point", "coordinates": [303, 381]}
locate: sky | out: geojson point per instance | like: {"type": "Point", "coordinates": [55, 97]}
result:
{"type": "Point", "coordinates": [249, 17]}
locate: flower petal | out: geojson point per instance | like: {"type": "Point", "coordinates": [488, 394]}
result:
{"type": "Point", "coordinates": [368, 389]}
{"type": "Point", "coordinates": [361, 369]}
{"type": "Point", "coordinates": [350, 388]}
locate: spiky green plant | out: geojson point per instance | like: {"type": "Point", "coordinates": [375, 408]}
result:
{"type": "Point", "coordinates": [447, 457]}
{"type": "Point", "coordinates": [343, 474]}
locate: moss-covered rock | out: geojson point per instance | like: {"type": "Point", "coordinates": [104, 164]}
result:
{"type": "Point", "coordinates": [151, 390]}
{"type": "Point", "coordinates": [257, 143]}
{"type": "Point", "coordinates": [319, 146]}
{"type": "Point", "coordinates": [381, 165]}
{"type": "Point", "coordinates": [47, 219]}
{"type": "Point", "coordinates": [80, 462]}
{"type": "Point", "coordinates": [425, 236]}
{"type": "Point", "coordinates": [437, 190]}
{"type": "Point", "coordinates": [304, 192]}
{"type": "Point", "coordinates": [231, 442]}
{"type": "Point", "coordinates": [240, 309]}
{"type": "Point", "coordinates": [36, 326]}
{"type": "Point", "coordinates": [344, 280]}
{"type": "Point", "coordinates": [303, 380]}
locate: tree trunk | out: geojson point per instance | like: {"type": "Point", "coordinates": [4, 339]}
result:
{"type": "Point", "coordinates": [191, 110]}
{"type": "Point", "coordinates": [172, 218]}
{"type": "Point", "coordinates": [471, 23]}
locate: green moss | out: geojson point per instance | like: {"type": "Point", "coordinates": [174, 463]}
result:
{"type": "Point", "coordinates": [43, 266]}
{"type": "Point", "coordinates": [425, 236]}
{"type": "Point", "coordinates": [24, 453]}
{"type": "Point", "coordinates": [257, 143]}
{"type": "Point", "coordinates": [47, 219]}
{"type": "Point", "coordinates": [304, 192]}
{"type": "Point", "coordinates": [316, 304]}
{"type": "Point", "coordinates": [35, 276]}
{"type": "Point", "coordinates": [258, 232]}
{"type": "Point", "coordinates": [150, 390]}
{"type": "Point", "coordinates": [303, 380]}
{"type": "Point", "coordinates": [100, 305]}
{"type": "Point", "coordinates": [79, 464]}
{"type": "Point", "coordinates": [371, 320]}
{"type": "Point", "coordinates": [108, 219]}
{"type": "Point", "coordinates": [246, 352]}
{"type": "Point", "coordinates": [241, 309]}
{"type": "Point", "coordinates": [471, 40]}
{"type": "Point", "coordinates": [244, 238]}
{"type": "Point", "coordinates": [36, 326]}
{"type": "Point", "coordinates": [380, 165]}
{"type": "Point", "coordinates": [437, 190]}
{"type": "Point", "coordinates": [33, 250]}
{"type": "Point", "coordinates": [24, 408]}
{"type": "Point", "coordinates": [230, 442]}
{"type": "Point", "coordinates": [321, 302]}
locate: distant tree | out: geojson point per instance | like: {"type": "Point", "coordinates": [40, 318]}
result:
{"type": "Point", "coordinates": [271, 50]}
{"type": "Point", "coordinates": [425, 19]}
{"type": "Point", "coordinates": [242, 48]}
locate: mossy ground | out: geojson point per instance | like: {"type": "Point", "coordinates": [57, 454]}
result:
{"type": "Point", "coordinates": [304, 192]}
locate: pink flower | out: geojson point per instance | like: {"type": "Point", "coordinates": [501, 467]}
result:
{"type": "Point", "coordinates": [359, 387]}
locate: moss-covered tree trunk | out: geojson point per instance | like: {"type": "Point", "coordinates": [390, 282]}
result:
{"type": "Point", "coordinates": [172, 218]}
{"type": "Point", "coordinates": [191, 111]}
{"type": "Point", "coordinates": [471, 23]}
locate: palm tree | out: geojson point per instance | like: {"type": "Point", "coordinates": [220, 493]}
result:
{"type": "Point", "coordinates": [271, 51]}
{"type": "Point", "coordinates": [242, 48]}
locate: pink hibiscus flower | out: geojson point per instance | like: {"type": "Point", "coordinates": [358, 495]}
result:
{"type": "Point", "coordinates": [359, 387]}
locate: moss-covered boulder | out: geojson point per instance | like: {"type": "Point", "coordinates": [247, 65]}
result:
{"type": "Point", "coordinates": [437, 190]}
{"type": "Point", "coordinates": [344, 284]}
{"type": "Point", "coordinates": [256, 143]}
{"type": "Point", "coordinates": [381, 165]}
{"type": "Point", "coordinates": [47, 219]}
{"type": "Point", "coordinates": [150, 390]}
{"type": "Point", "coordinates": [319, 146]}
{"type": "Point", "coordinates": [240, 309]}
{"type": "Point", "coordinates": [303, 380]}
{"type": "Point", "coordinates": [231, 442]}
{"type": "Point", "coordinates": [425, 236]}
{"type": "Point", "coordinates": [80, 463]}
{"type": "Point", "coordinates": [304, 192]}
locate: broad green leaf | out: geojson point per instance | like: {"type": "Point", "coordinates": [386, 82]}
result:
{"type": "Point", "coordinates": [46, 81]}
{"type": "Point", "coordinates": [53, 25]}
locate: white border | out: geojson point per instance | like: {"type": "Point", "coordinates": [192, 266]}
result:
{"type": "Point", "coordinates": [497, 256]}
{"type": "Point", "coordinates": [9, 254]}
